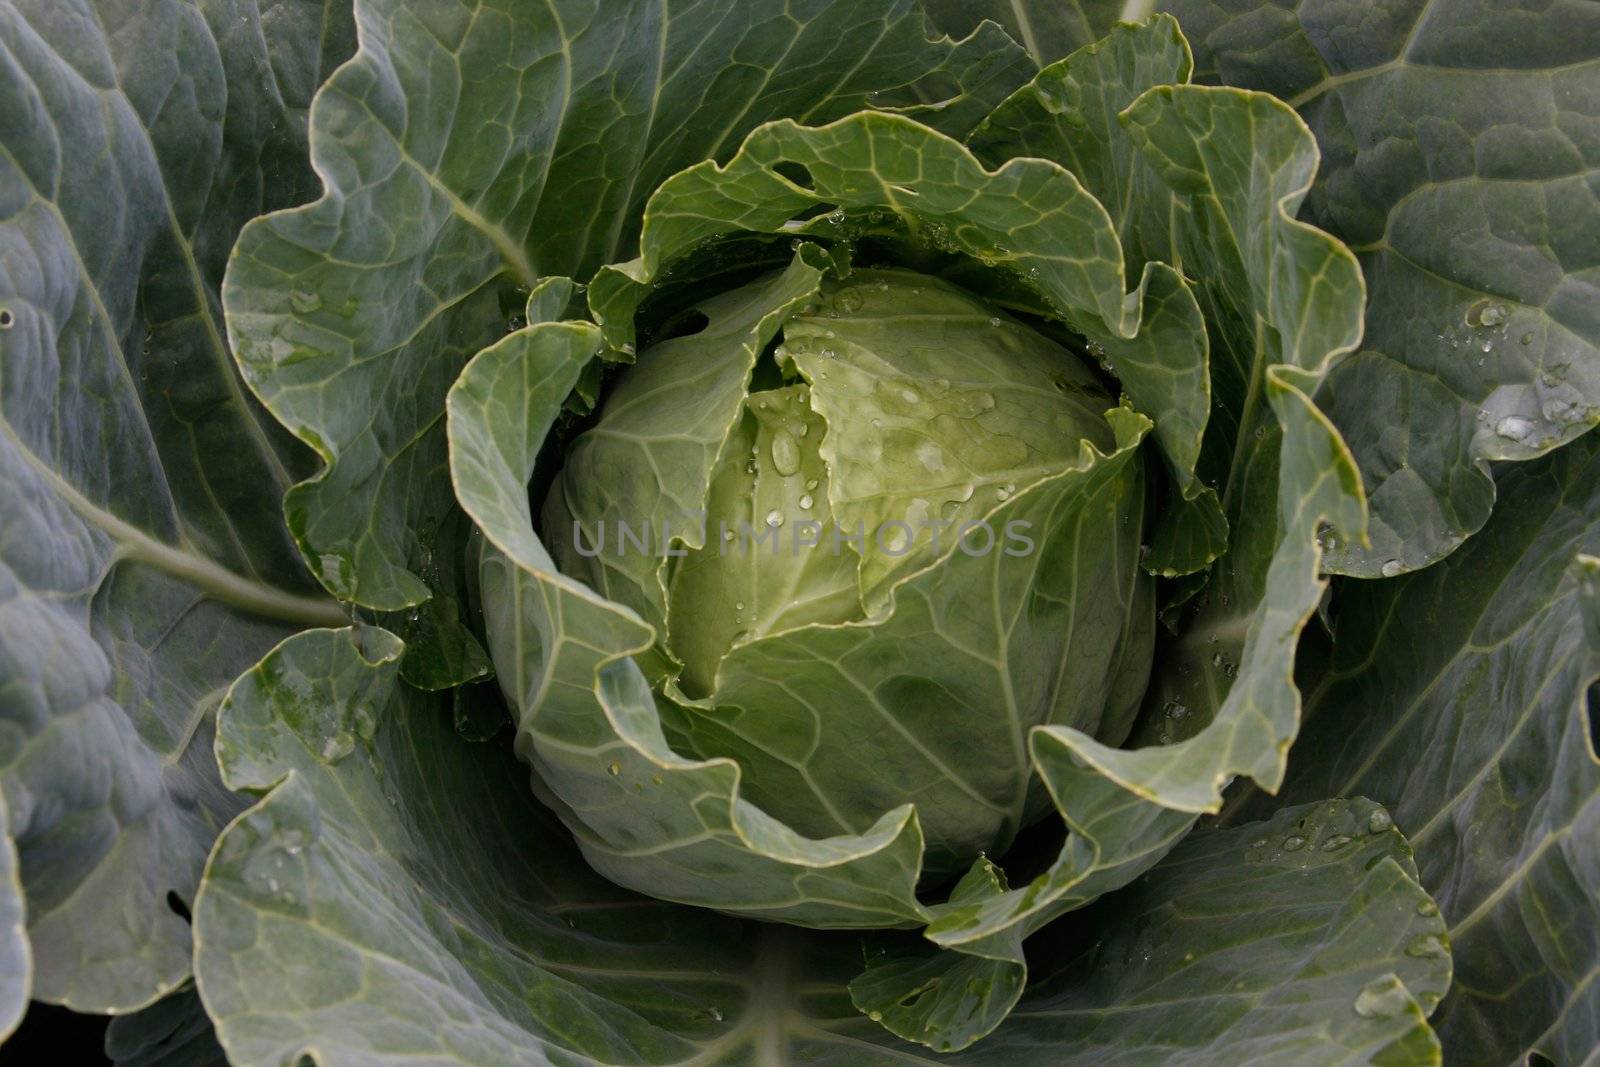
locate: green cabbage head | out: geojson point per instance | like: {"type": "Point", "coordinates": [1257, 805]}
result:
{"type": "Point", "coordinates": [881, 469]}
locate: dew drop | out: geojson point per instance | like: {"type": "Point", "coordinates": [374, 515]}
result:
{"type": "Point", "coordinates": [806, 502]}
{"type": "Point", "coordinates": [1379, 821]}
{"type": "Point", "coordinates": [1335, 843]}
{"type": "Point", "coordinates": [365, 719]}
{"type": "Point", "coordinates": [1428, 946]}
{"type": "Point", "coordinates": [1514, 428]}
{"type": "Point", "coordinates": [1381, 998]}
{"type": "Point", "coordinates": [848, 300]}
{"type": "Point", "coordinates": [1486, 313]}
{"type": "Point", "coordinates": [1293, 843]}
{"type": "Point", "coordinates": [614, 768]}
{"type": "Point", "coordinates": [338, 746]}
{"type": "Point", "coordinates": [1391, 568]}
{"type": "Point", "coordinates": [785, 453]}
{"type": "Point", "coordinates": [774, 518]}
{"type": "Point", "coordinates": [811, 483]}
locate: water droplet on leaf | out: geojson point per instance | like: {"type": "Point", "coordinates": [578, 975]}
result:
{"type": "Point", "coordinates": [785, 453]}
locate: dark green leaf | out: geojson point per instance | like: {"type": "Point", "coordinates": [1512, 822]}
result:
{"type": "Point", "coordinates": [143, 562]}
{"type": "Point", "coordinates": [1460, 697]}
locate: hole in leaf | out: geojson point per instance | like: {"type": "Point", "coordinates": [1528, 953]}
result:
{"type": "Point", "coordinates": [795, 174]}
{"type": "Point", "coordinates": [7, 319]}
{"type": "Point", "coordinates": [179, 908]}
{"type": "Point", "coordinates": [1539, 1059]}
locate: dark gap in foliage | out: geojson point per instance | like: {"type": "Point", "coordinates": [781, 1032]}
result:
{"type": "Point", "coordinates": [767, 374]}
{"type": "Point", "coordinates": [52, 1034]}
{"type": "Point", "coordinates": [815, 211]}
{"type": "Point", "coordinates": [1539, 1059]}
{"type": "Point", "coordinates": [685, 323]}
{"type": "Point", "coordinates": [179, 908]}
{"type": "Point", "coordinates": [797, 173]}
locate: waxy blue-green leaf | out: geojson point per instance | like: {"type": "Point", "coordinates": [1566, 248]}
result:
{"type": "Point", "coordinates": [404, 898]}
{"type": "Point", "coordinates": [469, 150]}
{"type": "Point", "coordinates": [1304, 939]}
{"type": "Point", "coordinates": [16, 957]}
{"type": "Point", "coordinates": [945, 1000]}
{"type": "Point", "coordinates": [1295, 293]}
{"type": "Point", "coordinates": [1460, 165]}
{"type": "Point", "coordinates": [400, 895]}
{"type": "Point", "coordinates": [1462, 697]}
{"type": "Point", "coordinates": [143, 562]}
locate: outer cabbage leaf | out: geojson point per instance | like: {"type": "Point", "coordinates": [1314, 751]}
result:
{"type": "Point", "coordinates": [1070, 114]}
{"type": "Point", "coordinates": [469, 150]}
{"type": "Point", "coordinates": [1460, 164]}
{"type": "Point", "coordinates": [588, 724]}
{"type": "Point", "coordinates": [408, 899]}
{"type": "Point", "coordinates": [1235, 166]}
{"type": "Point", "coordinates": [1463, 696]}
{"type": "Point", "coordinates": [143, 562]}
